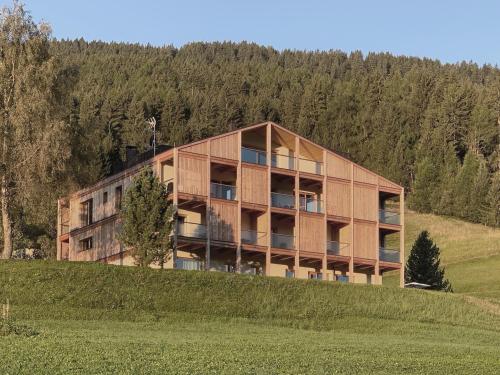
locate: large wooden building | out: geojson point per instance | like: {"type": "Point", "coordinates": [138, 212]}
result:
{"type": "Point", "coordinates": [259, 200]}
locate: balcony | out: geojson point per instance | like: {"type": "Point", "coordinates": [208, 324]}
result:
{"type": "Point", "coordinates": [222, 191]}
{"type": "Point", "coordinates": [189, 264]}
{"type": "Point", "coordinates": [311, 205]}
{"type": "Point", "coordinates": [389, 217]}
{"type": "Point", "coordinates": [389, 255]}
{"type": "Point", "coordinates": [310, 166]}
{"type": "Point", "coordinates": [337, 248]}
{"type": "Point", "coordinates": [283, 200]}
{"type": "Point", "coordinates": [252, 237]}
{"type": "Point", "coordinates": [282, 241]}
{"type": "Point", "coordinates": [253, 156]}
{"type": "Point", "coordinates": [283, 161]}
{"type": "Point", "coordinates": [192, 230]}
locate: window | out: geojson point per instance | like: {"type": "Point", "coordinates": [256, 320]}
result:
{"type": "Point", "coordinates": [290, 274]}
{"type": "Point", "coordinates": [118, 197]}
{"type": "Point", "coordinates": [315, 275]}
{"type": "Point", "coordinates": [86, 244]}
{"type": "Point", "coordinates": [105, 197]}
{"type": "Point", "coordinates": [86, 212]}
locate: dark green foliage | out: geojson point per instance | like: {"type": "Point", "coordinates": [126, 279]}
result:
{"type": "Point", "coordinates": [147, 220]}
{"type": "Point", "coordinates": [423, 264]}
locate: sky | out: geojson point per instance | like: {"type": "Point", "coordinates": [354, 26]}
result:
{"type": "Point", "coordinates": [451, 31]}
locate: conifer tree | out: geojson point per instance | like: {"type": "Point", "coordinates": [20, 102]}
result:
{"type": "Point", "coordinates": [147, 220]}
{"type": "Point", "coordinates": [423, 265]}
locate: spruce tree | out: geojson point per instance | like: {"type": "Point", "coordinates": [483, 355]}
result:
{"type": "Point", "coordinates": [423, 265]}
{"type": "Point", "coordinates": [147, 220]}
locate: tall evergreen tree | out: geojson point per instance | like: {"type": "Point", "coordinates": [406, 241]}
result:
{"type": "Point", "coordinates": [423, 264]}
{"type": "Point", "coordinates": [147, 220]}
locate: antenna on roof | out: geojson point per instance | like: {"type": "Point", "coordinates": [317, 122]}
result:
{"type": "Point", "coordinates": [152, 125]}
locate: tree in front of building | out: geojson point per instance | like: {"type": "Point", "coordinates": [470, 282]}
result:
{"type": "Point", "coordinates": [423, 265]}
{"type": "Point", "coordinates": [147, 220]}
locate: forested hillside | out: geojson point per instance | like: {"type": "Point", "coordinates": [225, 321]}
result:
{"type": "Point", "coordinates": [431, 127]}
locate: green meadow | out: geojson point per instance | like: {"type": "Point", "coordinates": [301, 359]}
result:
{"type": "Point", "coordinates": [87, 318]}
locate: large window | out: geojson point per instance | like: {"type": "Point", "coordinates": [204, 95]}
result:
{"type": "Point", "coordinates": [86, 210]}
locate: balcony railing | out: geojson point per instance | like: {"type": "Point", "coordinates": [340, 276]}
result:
{"type": "Point", "coordinates": [189, 264]}
{"type": "Point", "coordinates": [283, 161]}
{"type": "Point", "coordinates": [337, 248]}
{"type": "Point", "coordinates": [282, 241]}
{"type": "Point", "coordinates": [342, 278]}
{"type": "Point", "coordinates": [389, 217]}
{"type": "Point", "coordinates": [223, 191]}
{"type": "Point", "coordinates": [169, 185]}
{"type": "Point", "coordinates": [310, 166]}
{"type": "Point", "coordinates": [282, 200]}
{"type": "Point", "coordinates": [254, 156]}
{"type": "Point", "coordinates": [389, 255]}
{"type": "Point", "coordinates": [311, 205]}
{"type": "Point", "coordinates": [192, 230]}
{"type": "Point", "coordinates": [252, 237]}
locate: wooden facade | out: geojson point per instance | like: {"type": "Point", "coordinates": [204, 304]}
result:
{"type": "Point", "coordinates": [260, 200]}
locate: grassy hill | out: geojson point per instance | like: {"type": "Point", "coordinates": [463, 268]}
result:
{"type": "Point", "coordinates": [470, 253]}
{"type": "Point", "coordinates": [94, 318]}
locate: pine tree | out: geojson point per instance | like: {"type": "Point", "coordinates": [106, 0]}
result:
{"type": "Point", "coordinates": [147, 220]}
{"type": "Point", "coordinates": [423, 265]}
{"type": "Point", "coordinates": [493, 201]}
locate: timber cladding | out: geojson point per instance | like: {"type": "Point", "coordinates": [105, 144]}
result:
{"type": "Point", "coordinates": [192, 175]}
{"type": "Point", "coordinates": [339, 198]}
{"type": "Point", "coordinates": [225, 147]}
{"type": "Point", "coordinates": [312, 233]}
{"type": "Point", "coordinates": [337, 167]}
{"type": "Point", "coordinates": [223, 220]}
{"type": "Point", "coordinates": [365, 240]}
{"type": "Point", "coordinates": [254, 185]}
{"type": "Point", "coordinates": [365, 202]}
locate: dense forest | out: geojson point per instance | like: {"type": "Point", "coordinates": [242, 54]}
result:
{"type": "Point", "coordinates": [432, 127]}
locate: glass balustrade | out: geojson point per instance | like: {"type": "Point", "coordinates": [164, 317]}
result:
{"type": "Point", "coordinates": [253, 156]}
{"type": "Point", "coordinates": [282, 241]}
{"type": "Point", "coordinates": [282, 161]}
{"type": "Point", "coordinates": [280, 200]}
{"type": "Point", "coordinates": [337, 248]}
{"type": "Point", "coordinates": [389, 255]}
{"type": "Point", "coordinates": [192, 230]}
{"type": "Point", "coordinates": [389, 217]}
{"type": "Point", "coordinates": [311, 205]}
{"type": "Point", "coordinates": [223, 191]}
{"type": "Point", "coordinates": [252, 237]}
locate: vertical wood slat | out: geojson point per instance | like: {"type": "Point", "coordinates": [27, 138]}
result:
{"type": "Point", "coordinates": [402, 238]}
{"type": "Point", "coordinates": [351, 249]}
{"type": "Point", "coordinates": [268, 149]}
{"type": "Point", "coordinates": [325, 221]}
{"type": "Point", "coordinates": [208, 208]}
{"type": "Point", "coordinates": [239, 194]}
{"type": "Point", "coordinates": [297, 211]}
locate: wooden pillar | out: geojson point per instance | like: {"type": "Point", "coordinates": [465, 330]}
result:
{"type": "Point", "coordinates": [239, 198]}
{"type": "Point", "coordinates": [325, 218]}
{"type": "Point", "coordinates": [175, 200]}
{"type": "Point", "coordinates": [402, 238]}
{"type": "Point", "coordinates": [351, 247]}
{"type": "Point", "coordinates": [269, 156]}
{"type": "Point", "coordinates": [59, 221]}
{"type": "Point", "coordinates": [297, 208]}
{"type": "Point", "coordinates": [377, 277]}
{"type": "Point", "coordinates": [208, 213]}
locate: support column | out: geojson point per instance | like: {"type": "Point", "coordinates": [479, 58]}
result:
{"type": "Point", "coordinates": [351, 247]}
{"type": "Point", "coordinates": [325, 216]}
{"type": "Point", "coordinates": [208, 218]}
{"type": "Point", "coordinates": [402, 238]}
{"type": "Point", "coordinates": [59, 221]}
{"type": "Point", "coordinates": [175, 200]}
{"type": "Point", "coordinates": [269, 162]}
{"type": "Point", "coordinates": [239, 198]}
{"type": "Point", "coordinates": [377, 278]}
{"type": "Point", "coordinates": [297, 207]}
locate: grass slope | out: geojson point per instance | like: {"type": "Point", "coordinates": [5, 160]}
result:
{"type": "Point", "coordinates": [470, 253]}
{"type": "Point", "coordinates": [94, 318]}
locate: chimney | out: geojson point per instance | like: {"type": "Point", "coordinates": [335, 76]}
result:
{"type": "Point", "coordinates": [130, 156]}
